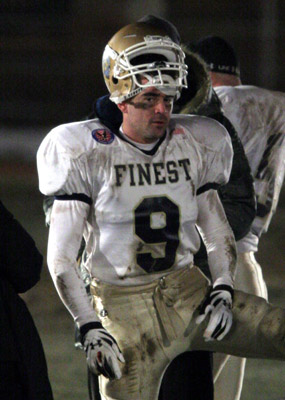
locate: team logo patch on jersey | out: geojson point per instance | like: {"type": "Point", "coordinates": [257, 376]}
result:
{"type": "Point", "coordinates": [103, 136]}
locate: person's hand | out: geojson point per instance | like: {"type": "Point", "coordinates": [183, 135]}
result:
{"type": "Point", "coordinates": [102, 352]}
{"type": "Point", "coordinates": [218, 304]}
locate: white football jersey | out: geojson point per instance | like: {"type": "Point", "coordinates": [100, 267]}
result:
{"type": "Point", "coordinates": [143, 204]}
{"type": "Point", "coordinates": [258, 116]}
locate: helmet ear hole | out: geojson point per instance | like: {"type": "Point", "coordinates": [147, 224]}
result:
{"type": "Point", "coordinates": [115, 80]}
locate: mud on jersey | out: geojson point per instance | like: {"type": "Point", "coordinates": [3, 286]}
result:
{"type": "Point", "coordinates": [258, 117]}
{"type": "Point", "coordinates": [143, 207]}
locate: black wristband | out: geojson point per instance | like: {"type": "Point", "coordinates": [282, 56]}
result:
{"type": "Point", "coordinates": [225, 287]}
{"type": "Point", "coordinates": [85, 328]}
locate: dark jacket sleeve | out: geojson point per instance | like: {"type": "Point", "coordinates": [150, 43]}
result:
{"type": "Point", "coordinates": [20, 260]}
{"type": "Point", "coordinates": [238, 196]}
{"type": "Point", "coordinates": [20, 342]}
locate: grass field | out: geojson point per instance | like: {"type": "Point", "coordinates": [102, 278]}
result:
{"type": "Point", "coordinates": [265, 380]}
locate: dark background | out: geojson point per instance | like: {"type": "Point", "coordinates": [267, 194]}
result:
{"type": "Point", "coordinates": [51, 49]}
{"type": "Point", "coordinates": [50, 73]}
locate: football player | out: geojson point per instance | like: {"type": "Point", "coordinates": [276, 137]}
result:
{"type": "Point", "coordinates": [258, 116]}
{"type": "Point", "coordinates": [183, 378]}
{"type": "Point", "coordinates": [137, 196]}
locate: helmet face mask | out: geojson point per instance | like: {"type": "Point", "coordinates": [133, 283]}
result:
{"type": "Point", "coordinates": [135, 59]}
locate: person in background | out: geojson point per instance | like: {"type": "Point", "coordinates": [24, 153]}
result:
{"type": "Point", "coordinates": [23, 368]}
{"type": "Point", "coordinates": [258, 116]}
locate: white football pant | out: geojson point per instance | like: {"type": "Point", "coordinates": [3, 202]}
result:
{"type": "Point", "coordinates": [155, 322]}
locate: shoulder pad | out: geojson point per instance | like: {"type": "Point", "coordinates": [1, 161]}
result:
{"type": "Point", "coordinates": [63, 147]}
{"type": "Point", "coordinates": [204, 130]}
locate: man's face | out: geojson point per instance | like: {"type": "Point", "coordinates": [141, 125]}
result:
{"type": "Point", "coordinates": [146, 116]}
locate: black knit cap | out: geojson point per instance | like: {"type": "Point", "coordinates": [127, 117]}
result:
{"type": "Point", "coordinates": [217, 53]}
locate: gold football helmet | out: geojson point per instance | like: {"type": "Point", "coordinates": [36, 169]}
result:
{"type": "Point", "coordinates": [142, 51]}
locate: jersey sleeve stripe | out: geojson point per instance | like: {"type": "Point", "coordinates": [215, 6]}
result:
{"type": "Point", "coordinates": [75, 196]}
{"type": "Point", "coordinates": [208, 186]}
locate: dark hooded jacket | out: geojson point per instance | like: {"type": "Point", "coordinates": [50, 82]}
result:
{"type": "Point", "coordinates": [20, 268]}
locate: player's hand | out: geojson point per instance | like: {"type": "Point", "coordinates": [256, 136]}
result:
{"type": "Point", "coordinates": [218, 304]}
{"type": "Point", "coordinates": [102, 352]}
